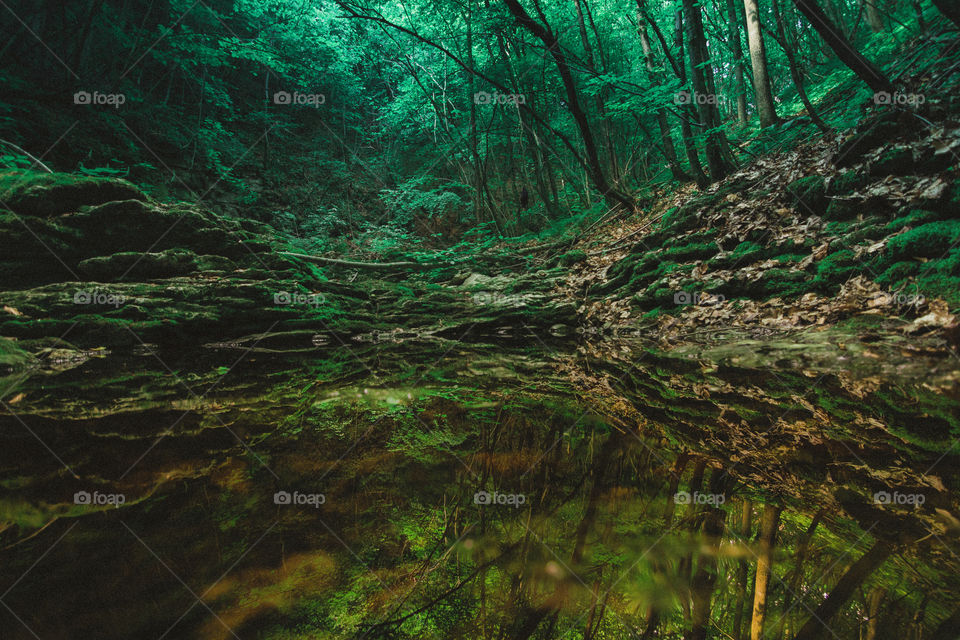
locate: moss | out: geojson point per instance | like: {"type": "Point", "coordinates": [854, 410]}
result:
{"type": "Point", "coordinates": [897, 161]}
{"type": "Point", "coordinates": [51, 194]}
{"type": "Point", "coordinates": [808, 195]}
{"type": "Point", "coordinates": [847, 183]}
{"type": "Point", "coordinates": [912, 219]}
{"type": "Point", "coordinates": [929, 240]}
{"type": "Point", "coordinates": [834, 270]}
{"type": "Point", "coordinates": [572, 257]}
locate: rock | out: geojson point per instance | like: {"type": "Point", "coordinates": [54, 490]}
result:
{"type": "Point", "coordinates": [52, 194]}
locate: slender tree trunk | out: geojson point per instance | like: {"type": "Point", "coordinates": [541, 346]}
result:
{"type": "Point", "coordinates": [768, 535]}
{"type": "Point", "coordinates": [795, 73]}
{"type": "Point", "coordinates": [702, 75]}
{"type": "Point", "coordinates": [666, 139]}
{"type": "Point", "coordinates": [859, 571]}
{"type": "Point", "coordinates": [758, 58]}
{"type": "Point", "coordinates": [688, 112]}
{"type": "Point", "coordinates": [873, 612]}
{"type": "Point", "coordinates": [737, 47]}
{"type": "Point", "coordinates": [865, 70]}
{"type": "Point", "coordinates": [549, 39]}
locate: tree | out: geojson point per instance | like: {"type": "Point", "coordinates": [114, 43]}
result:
{"type": "Point", "coordinates": [552, 45]}
{"type": "Point", "coordinates": [758, 58]}
{"type": "Point", "coordinates": [768, 534]}
{"type": "Point", "coordinates": [848, 54]}
{"type": "Point", "coordinates": [855, 575]}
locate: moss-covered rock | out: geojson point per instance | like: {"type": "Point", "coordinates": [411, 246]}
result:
{"type": "Point", "coordinates": [51, 194]}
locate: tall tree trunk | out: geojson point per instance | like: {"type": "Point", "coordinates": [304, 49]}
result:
{"type": "Point", "coordinates": [758, 58]}
{"type": "Point", "coordinates": [688, 112]}
{"type": "Point", "coordinates": [873, 612]}
{"type": "Point", "coordinates": [702, 76]}
{"type": "Point", "coordinates": [737, 47]}
{"type": "Point", "coordinates": [865, 70]}
{"type": "Point", "coordinates": [768, 535]}
{"type": "Point", "coordinates": [549, 39]}
{"type": "Point", "coordinates": [859, 571]}
{"type": "Point", "coordinates": [666, 139]}
{"type": "Point", "coordinates": [795, 73]}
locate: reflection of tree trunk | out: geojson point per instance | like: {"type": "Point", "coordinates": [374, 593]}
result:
{"type": "Point", "coordinates": [705, 578]}
{"type": "Point", "coordinates": [768, 534]}
{"type": "Point", "coordinates": [873, 612]}
{"type": "Point", "coordinates": [693, 515]}
{"type": "Point", "coordinates": [796, 576]}
{"type": "Point", "coordinates": [853, 578]}
{"type": "Point", "coordinates": [653, 614]}
{"type": "Point", "coordinates": [948, 628]}
{"type": "Point", "coordinates": [743, 569]}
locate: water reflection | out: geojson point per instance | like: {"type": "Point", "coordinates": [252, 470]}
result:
{"type": "Point", "coordinates": [487, 494]}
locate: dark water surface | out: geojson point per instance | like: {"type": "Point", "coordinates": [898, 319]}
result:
{"type": "Point", "coordinates": [425, 491]}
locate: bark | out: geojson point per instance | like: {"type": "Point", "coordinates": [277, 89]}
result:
{"type": "Point", "coordinates": [816, 626]}
{"type": "Point", "coordinates": [737, 49]}
{"type": "Point", "coordinates": [795, 73]}
{"type": "Point", "coordinates": [688, 113]}
{"type": "Point", "coordinates": [666, 139]}
{"type": "Point", "coordinates": [841, 46]}
{"type": "Point", "coordinates": [702, 76]}
{"type": "Point", "coordinates": [758, 59]}
{"type": "Point", "coordinates": [768, 534]}
{"type": "Point", "coordinates": [549, 39]}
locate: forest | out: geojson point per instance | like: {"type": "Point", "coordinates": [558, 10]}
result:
{"type": "Point", "coordinates": [480, 319]}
